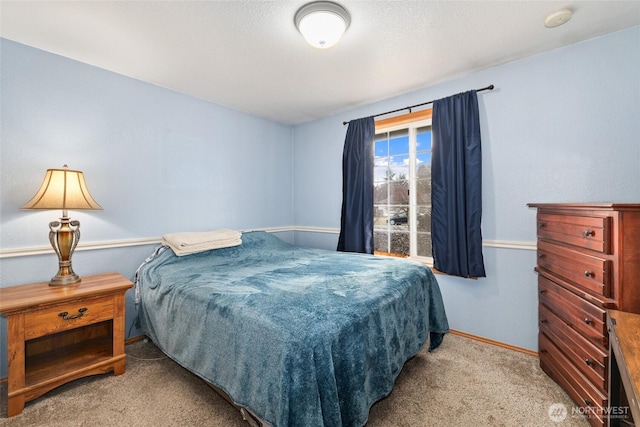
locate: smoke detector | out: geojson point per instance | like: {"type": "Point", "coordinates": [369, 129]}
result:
{"type": "Point", "coordinates": [557, 18]}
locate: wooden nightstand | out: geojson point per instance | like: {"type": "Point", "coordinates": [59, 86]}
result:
{"type": "Point", "coordinates": [59, 334]}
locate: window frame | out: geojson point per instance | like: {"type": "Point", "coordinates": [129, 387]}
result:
{"type": "Point", "coordinates": [410, 121]}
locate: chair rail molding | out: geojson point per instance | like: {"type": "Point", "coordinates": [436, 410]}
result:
{"type": "Point", "coordinates": [123, 243]}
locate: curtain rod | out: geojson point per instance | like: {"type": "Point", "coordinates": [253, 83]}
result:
{"type": "Point", "coordinates": [490, 87]}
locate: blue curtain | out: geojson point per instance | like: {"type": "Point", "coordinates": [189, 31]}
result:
{"type": "Point", "coordinates": [456, 186]}
{"type": "Point", "coordinates": [356, 224]}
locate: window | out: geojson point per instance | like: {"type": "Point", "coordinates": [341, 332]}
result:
{"type": "Point", "coordinates": [402, 186]}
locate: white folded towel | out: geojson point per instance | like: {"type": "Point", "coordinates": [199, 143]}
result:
{"type": "Point", "coordinates": [199, 241]}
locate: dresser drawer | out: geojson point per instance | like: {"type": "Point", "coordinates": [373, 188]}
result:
{"type": "Point", "coordinates": [591, 360]}
{"type": "Point", "coordinates": [578, 313]}
{"type": "Point", "coordinates": [592, 233]}
{"type": "Point", "coordinates": [586, 271]}
{"type": "Point", "coordinates": [53, 319]}
{"type": "Point", "coordinates": [585, 394]}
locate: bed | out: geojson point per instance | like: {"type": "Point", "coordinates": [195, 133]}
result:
{"type": "Point", "coordinates": [297, 336]}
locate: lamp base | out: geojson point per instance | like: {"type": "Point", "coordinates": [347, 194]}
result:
{"type": "Point", "coordinates": [68, 280]}
{"type": "Point", "coordinates": [64, 236]}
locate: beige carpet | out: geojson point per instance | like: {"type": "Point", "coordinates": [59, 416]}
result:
{"type": "Point", "coordinates": [463, 383]}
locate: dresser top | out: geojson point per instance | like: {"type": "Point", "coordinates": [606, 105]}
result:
{"type": "Point", "coordinates": [587, 206]}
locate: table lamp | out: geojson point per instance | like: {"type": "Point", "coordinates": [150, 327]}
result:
{"type": "Point", "coordinates": [63, 189]}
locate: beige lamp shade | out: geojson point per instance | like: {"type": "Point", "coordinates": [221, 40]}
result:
{"type": "Point", "coordinates": [62, 189]}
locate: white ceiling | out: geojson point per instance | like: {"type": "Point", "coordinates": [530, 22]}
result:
{"type": "Point", "coordinates": [248, 55]}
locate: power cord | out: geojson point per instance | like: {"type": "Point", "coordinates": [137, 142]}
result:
{"type": "Point", "coordinates": [146, 341]}
{"type": "Point", "coordinates": [145, 359]}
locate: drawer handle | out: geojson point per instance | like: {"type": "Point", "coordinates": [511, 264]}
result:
{"type": "Point", "coordinates": [543, 321]}
{"type": "Point", "coordinates": [540, 224]}
{"type": "Point", "coordinates": [65, 315]}
{"type": "Point", "coordinates": [588, 321]}
{"type": "Point", "coordinates": [587, 273]}
{"type": "Point", "coordinates": [589, 233]}
{"type": "Point", "coordinates": [588, 402]}
{"type": "Point", "coordinates": [588, 362]}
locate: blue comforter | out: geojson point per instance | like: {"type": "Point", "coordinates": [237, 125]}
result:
{"type": "Point", "coordinates": [300, 337]}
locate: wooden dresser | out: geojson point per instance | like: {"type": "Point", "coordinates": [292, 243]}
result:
{"type": "Point", "coordinates": [588, 262]}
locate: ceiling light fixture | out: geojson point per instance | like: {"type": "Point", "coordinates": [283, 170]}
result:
{"type": "Point", "coordinates": [322, 23]}
{"type": "Point", "coordinates": [557, 18]}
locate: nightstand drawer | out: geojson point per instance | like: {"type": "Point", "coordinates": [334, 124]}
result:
{"type": "Point", "coordinates": [67, 316]}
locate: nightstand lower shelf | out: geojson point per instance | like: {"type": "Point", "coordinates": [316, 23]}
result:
{"type": "Point", "coordinates": [68, 361]}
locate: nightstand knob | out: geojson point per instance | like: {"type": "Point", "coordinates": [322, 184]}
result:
{"type": "Point", "coordinates": [588, 362]}
{"type": "Point", "coordinates": [65, 315]}
{"type": "Point", "coordinates": [588, 273]}
{"type": "Point", "coordinates": [589, 233]}
{"type": "Point", "coordinates": [587, 321]}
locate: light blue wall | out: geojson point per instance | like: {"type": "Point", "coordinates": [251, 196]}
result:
{"type": "Point", "coordinates": [157, 161]}
{"type": "Point", "coordinates": [562, 126]}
